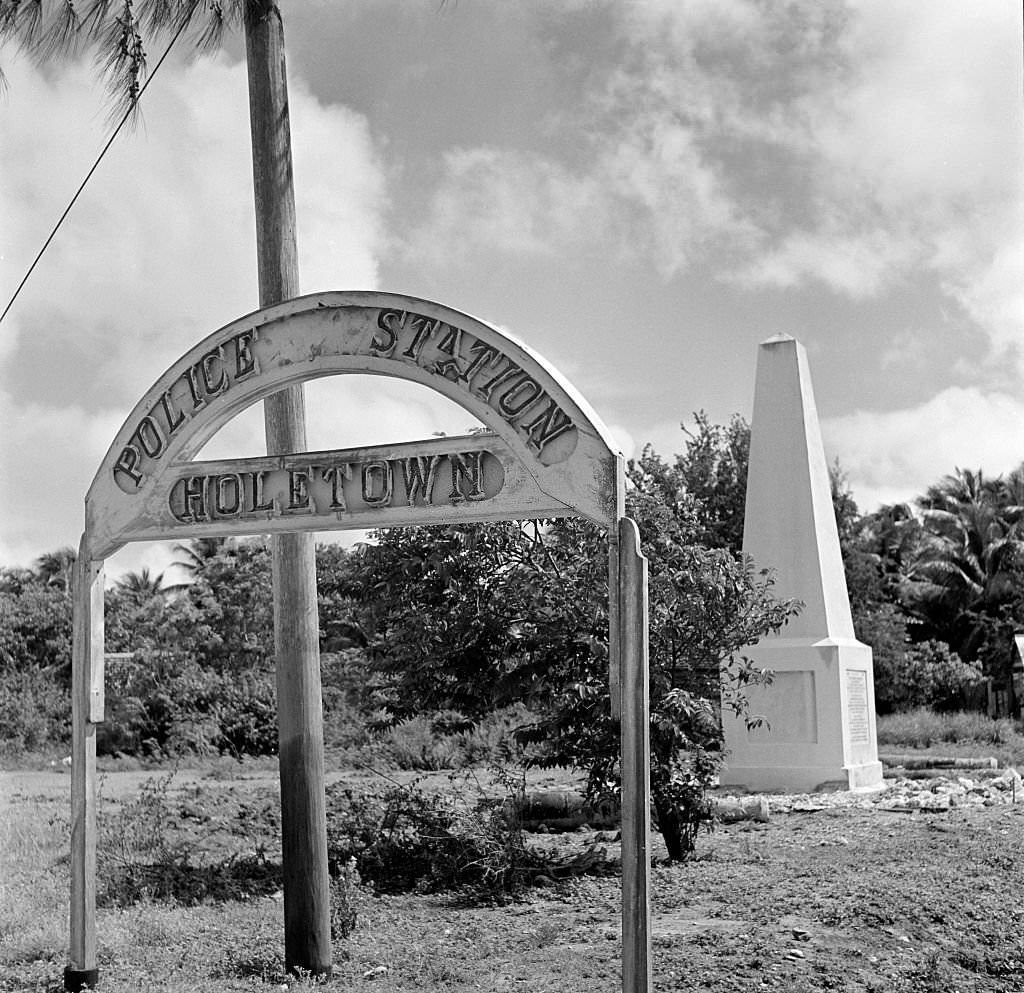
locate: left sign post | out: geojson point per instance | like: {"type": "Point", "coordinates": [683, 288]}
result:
{"type": "Point", "coordinates": [87, 705]}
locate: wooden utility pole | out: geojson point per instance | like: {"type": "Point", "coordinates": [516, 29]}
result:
{"type": "Point", "coordinates": [307, 930]}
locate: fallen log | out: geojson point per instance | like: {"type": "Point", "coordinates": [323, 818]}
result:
{"type": "Point", "coordinates": [567, 810]}
{"type": "Point", "coordinates": [936, 762]}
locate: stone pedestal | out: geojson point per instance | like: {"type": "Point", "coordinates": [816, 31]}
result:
{"type": "Point", "coordinates": [819, 720]}
{"type": "Point", "coordinates": [818, 729]}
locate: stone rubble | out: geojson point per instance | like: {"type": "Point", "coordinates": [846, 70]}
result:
{"type": "Point", "coordinates": [937, 793]}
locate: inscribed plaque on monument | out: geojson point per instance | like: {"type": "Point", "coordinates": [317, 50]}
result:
{"type": "Point", "coordinates": [787, 706]}
{"type": "Point", "coordinates": [857, 706]}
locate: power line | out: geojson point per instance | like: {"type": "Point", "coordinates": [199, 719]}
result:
{"type": "Point", "coordinates": [110, 141]}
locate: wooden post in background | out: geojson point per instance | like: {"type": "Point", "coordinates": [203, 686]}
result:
{"type": "Point", "coordinates": [636, 762]}
{"type": "Point", "coordinates": [86, 712]}
{"type": "Point", "coordinates": [307, 921]}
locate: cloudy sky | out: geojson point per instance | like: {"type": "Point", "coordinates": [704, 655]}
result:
{"type": "Point", "coordinates": [642, 191]}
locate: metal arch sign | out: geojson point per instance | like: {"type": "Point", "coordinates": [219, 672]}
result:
{"type": "Point", "coordinates": [545, 454]}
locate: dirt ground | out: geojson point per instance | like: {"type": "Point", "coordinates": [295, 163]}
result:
{"type": "Point", "coordinates": [852, 898]}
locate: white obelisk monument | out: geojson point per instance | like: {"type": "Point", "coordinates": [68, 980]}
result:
{"type": "Point", "coordinates": [819, 710]}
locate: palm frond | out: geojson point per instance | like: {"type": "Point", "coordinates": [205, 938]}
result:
{"type": "Point", "coordinates": [119, 30]}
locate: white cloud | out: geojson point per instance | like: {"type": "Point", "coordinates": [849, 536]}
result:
{"type": "Point", "coordinates": [49, 457]}
{"type": "Point", "coordinates": [993, 293]}
{"type": "Point", "coordinates": [892, 456]}
{"type": "Point", "coordinates": [917, 159]}
{"type": "Point", "coordinates": [848, 146]}
{"type": "Point", "coordinates": [858, 264]}
{"type": "Point", "coordinates": [522, 202]}
{"type": "Point", "coordinates": [158, 252]}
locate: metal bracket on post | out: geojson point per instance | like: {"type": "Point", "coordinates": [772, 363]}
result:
{"type": "Point", "coordinates": [636, 761]}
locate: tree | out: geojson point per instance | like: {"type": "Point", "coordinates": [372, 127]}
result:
{"type": "Point", "coordinates": [709, 479]}
{"type": "Point", "coordinates": [195, 554]}
{"type": "Point", "coordinates": [119, 31]}
{"type": "Point", "coordinates": [35, 629]}
{"type": "Point", "coordinates": [57, 568]}
{"type": "Point", "coordinates": [142, 584]}
{"type": "Point", "coordinates": [475, 617]}
{"type": "Point", "coordinates": [969, 564]}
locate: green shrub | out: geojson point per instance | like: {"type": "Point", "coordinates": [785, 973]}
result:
{"type": "Point", "coordinates": [404, 838]}
{"type": "Point", "coordinates": [36, 710]}
{"type": "Point", "coordinates": [412, 744]}
{"type": "Point", "coordinates": [159, 707]}
{"type": "Point", "coordinates": [347, 898]}
{"type": "Point", "coordinates": [907, 674]}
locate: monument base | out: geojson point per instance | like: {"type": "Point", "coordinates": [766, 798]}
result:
{"type": "Point", "coordinates": [817, 729]}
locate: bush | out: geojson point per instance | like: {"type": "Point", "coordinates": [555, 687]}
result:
{"type": "Point", "coordinates": [412, 744]}
{"type": "Point", "coordinates": [174, 708]}
{"type": "Point", "coordinates": [347, 698]}
{"type": "Point", "coordinates": [35, 628]}
{"type": "Point", "coordinates": [406, 839]}
{"type": "Point", "coordinates": [908, 675]}
{"type": "Point", "coordinates": [36, 710]}
{"type": "Point", "coordinates": [922, 728]}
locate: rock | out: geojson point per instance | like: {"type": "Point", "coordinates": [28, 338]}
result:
{"type": "Point", "coordinates": [1009, 780]}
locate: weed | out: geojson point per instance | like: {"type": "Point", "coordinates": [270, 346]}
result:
{"type": "Point", "coordinates": [544, 934]}
{"type": "Point", "coordinates": [347, 897]}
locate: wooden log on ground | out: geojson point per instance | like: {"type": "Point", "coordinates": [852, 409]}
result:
{"type": "Point", "coordinates": [937, 762]}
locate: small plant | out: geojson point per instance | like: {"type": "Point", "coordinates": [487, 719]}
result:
{"type": "Point", "coordinates": [413, 745]}
{"type": "Point", "coordinates": [346, 899]}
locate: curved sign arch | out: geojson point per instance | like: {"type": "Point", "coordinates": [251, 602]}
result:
{"type": "Point", "coordinates": [543, 453]}
{"type": "Point", "coordinates": [547, 453]}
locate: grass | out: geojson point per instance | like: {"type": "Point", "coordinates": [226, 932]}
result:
{"type": "Point", "coordinates": [412, 942]}
{"type": "Point", "coordinates": [893, 903]}
{"type": "Point", "coordinates": [964, 734]}
{"type": "Point", "coordinates": [885, 903]}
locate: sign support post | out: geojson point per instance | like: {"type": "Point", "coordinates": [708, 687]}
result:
{"type": "Point", "coordinates": [86, 713]}
{"type": "Point", "coordinates": [636, 762]}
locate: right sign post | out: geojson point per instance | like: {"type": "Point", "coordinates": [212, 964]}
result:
{"type": "Point", "coordinates": [636, 761]}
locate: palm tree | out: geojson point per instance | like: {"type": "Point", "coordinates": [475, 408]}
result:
{"type": "Point", "coordinates": [142, 583]}
{"type": "Point", "coordinates": [57, 568]}
{"type": "Point", "coordinates": [1008, 493]}
{"type": "Point", "coordinates": [967, 569]}
{"type": "Point", "coordinates": [962, 486]}
{"type": "Point", "coordinates": [120, 30]}
{"type": "Point", "coordinates": [196, 553]}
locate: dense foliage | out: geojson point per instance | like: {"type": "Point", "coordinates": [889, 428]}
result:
{"type": "Point", "coordinates": [480, 616]}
